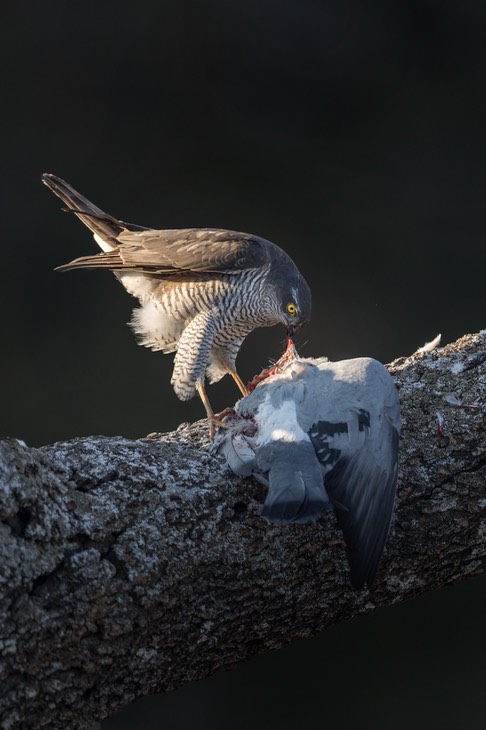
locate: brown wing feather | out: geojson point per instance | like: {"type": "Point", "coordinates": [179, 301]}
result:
{"type": "Point", "coordinates": [169, 255]}
{"type": "Point", "coordinates": [193, 249]}
{"type": "Point", "coordinates": [110, 260]}
{"type": "Point", "coordinates": [160, 252]}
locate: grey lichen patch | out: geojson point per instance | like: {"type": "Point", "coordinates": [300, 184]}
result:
{"type": "Point", "coordinates": [443, 462]}
{"type": "Point", "coordinates": [34, 517]}
{"type": "Point", "coordinates": [443, 404]}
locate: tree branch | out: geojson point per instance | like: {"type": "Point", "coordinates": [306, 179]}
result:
{"type": "Point", "coordinates": [131, 567]}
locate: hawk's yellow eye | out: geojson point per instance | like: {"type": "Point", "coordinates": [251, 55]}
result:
{"type": "Point", "coordinates": [291, 309]}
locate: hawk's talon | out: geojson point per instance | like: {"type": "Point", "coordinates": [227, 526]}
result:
{"type": "Point", "coordinates": [220, 424]}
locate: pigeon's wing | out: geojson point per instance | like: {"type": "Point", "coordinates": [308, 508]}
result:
{"type": "Point", "coordinates": [363, 491]}
{"type": "Point", "coordinates": [296, 490]}
{"type": "Point", "coordinates": [355, 434]}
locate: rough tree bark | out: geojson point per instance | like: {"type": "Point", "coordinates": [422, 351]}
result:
{"type": "Point", "coordinates": [130, 567]}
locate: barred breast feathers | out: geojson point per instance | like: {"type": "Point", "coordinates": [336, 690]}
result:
{"type": "Point", "coordinates": [167, 307]}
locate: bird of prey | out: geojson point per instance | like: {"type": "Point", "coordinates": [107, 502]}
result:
{"type": "Point", "coordinates": [201, 290]}
{"type": "Point", "coordinates": [323, 435]}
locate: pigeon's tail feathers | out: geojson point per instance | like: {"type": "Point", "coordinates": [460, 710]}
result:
{"type": "Point", "coordinates": [296, 489]}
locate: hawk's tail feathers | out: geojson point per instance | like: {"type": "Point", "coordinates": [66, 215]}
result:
{"type": "Point", "coordinates": [104, 227]}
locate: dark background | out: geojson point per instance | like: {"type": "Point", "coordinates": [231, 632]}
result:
{"type": "Point", "coordinates": [351, 133]}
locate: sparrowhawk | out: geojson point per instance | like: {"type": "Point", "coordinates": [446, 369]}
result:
{"type": "Point", "coordinates": [323, 436]}
{"type": "Point", "coordinates": [201, 290]}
